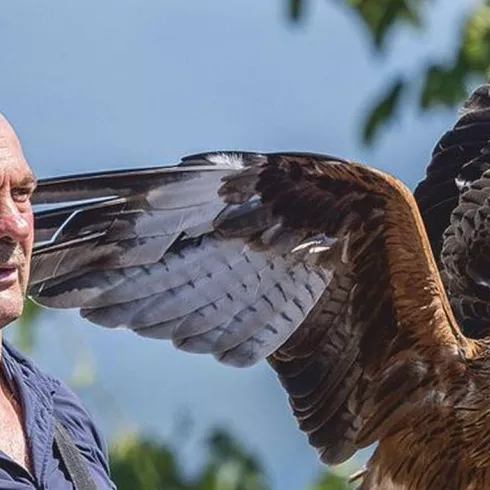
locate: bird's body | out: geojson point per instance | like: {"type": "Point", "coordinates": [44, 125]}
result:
{"type": "Point", "coordinates": [321, 266]}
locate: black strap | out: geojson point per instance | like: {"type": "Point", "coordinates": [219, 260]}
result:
{"type": "Point", "coordinates": [72, 459]}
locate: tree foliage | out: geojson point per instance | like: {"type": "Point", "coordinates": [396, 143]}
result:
{"type": "Point", "coordinates": [437, 84]}
{"type": "Point", "coordinates": [139, 464]}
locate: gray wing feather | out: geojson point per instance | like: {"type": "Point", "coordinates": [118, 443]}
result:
{"type": "Point", "coordinates": [166, 253]}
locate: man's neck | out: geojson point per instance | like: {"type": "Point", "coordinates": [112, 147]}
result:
{"type": "Point", "coordinates": [12, 436]}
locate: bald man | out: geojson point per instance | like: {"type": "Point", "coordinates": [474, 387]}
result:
{"type": "Point", "coordinates": [32, 403]}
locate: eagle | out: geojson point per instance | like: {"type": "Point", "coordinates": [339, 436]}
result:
{"type": "Point", "coordinates": [372, 304]}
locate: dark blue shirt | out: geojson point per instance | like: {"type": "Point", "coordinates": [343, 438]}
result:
{"type": "Point", "coordinates": [43, 399]}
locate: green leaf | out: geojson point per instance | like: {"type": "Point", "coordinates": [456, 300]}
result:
{"type": "Point", "coordinates": [233, 467]}
{"type": "Point", "coordinates": [296, 9]}
{"type": "Point", "coordinates": [382, 111]}
{"type": "Point", "coordinates": [380, 16]}
{"type": "Point", "coordinates": [474, 51]}
{"type": "Point", "coordinates": [445, 84]}
{"type": "Point", "coordinates": [331, 481]}
{"type": "Point", "coordinates": [139, 464]}
{"type": "Point", "coordinates": [442, 86]}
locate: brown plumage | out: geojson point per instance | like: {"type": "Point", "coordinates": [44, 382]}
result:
{"type": "Point", "coordinates": [321, 266]}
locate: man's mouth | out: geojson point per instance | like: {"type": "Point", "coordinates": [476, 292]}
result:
{"type": "Point", "coordinates": [8, 274]}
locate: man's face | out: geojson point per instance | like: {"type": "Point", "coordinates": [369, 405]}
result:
{"type": "Point", "coordinates": [17, 184]}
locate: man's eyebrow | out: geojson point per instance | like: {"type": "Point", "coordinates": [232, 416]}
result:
{"type": "Point", "coordinates": [28, 181]}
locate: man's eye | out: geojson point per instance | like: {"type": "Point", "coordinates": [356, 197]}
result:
{"type": "Point", "coordinates": [21, 194]}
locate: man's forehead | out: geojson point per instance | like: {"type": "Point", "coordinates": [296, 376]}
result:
{"type": "Point", "coordinates": [3, 121]}
{"type": "Point", "coordinates": [7, 133]}
{"type": "Point", "coordinates": [10, 148]}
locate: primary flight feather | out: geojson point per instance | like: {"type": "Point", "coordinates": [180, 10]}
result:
{"type": "Point", "coordinates": [322, 266]}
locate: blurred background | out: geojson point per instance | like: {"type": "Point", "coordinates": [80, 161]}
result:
{"type": "Point", "coordinates": [93, 85]}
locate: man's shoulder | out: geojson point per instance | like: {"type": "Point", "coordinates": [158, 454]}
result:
{"type": "Point", "coordinates": [56, 396]}
{"type": "Point", "coordinates": [71, 412]}
{"type": "Point", "coordinates": [20, 366]}
{"type": "Point", "coordinates": [64, 405]}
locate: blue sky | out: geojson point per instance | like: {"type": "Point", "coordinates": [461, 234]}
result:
{"type": "Point", "coordinates": [102, 85]}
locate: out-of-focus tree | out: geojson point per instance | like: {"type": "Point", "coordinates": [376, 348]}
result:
{"type": "Point", "coordinates": [141, 464]}
{"type": "Point", "coordinates": [439, 83]}
{"type": "Point", "coordinates": [331, 481]}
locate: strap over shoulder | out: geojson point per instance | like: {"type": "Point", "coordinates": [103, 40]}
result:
{"type": "Point", "coordinates": [72, 459]}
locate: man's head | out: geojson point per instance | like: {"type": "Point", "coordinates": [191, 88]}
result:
{"type": "Point", "coordinates": [17, 184]}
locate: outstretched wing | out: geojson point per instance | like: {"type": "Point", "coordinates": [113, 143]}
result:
{"type": "Point", "coordinates": [438, 194]}
{"type": "Point", "coordinates": [320, 265]}
{"type": "Point", "coordinates": [455, 206]}
{"type": "Point", "coordinates": [161, 253]}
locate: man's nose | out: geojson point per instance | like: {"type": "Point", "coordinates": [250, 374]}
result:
{"type": "Point", "coordinates": [13, 224]}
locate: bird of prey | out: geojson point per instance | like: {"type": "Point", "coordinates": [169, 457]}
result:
{"type": "Point", "coordinates": [374, 314]}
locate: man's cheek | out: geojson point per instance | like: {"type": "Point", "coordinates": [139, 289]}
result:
{"type": "Point", "coordinates": [24, 278]}
{"type": "Point", "coordinates": [26, 269]}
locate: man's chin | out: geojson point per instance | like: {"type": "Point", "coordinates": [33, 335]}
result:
{"type": "Point", "coordinates": [11, 306]}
